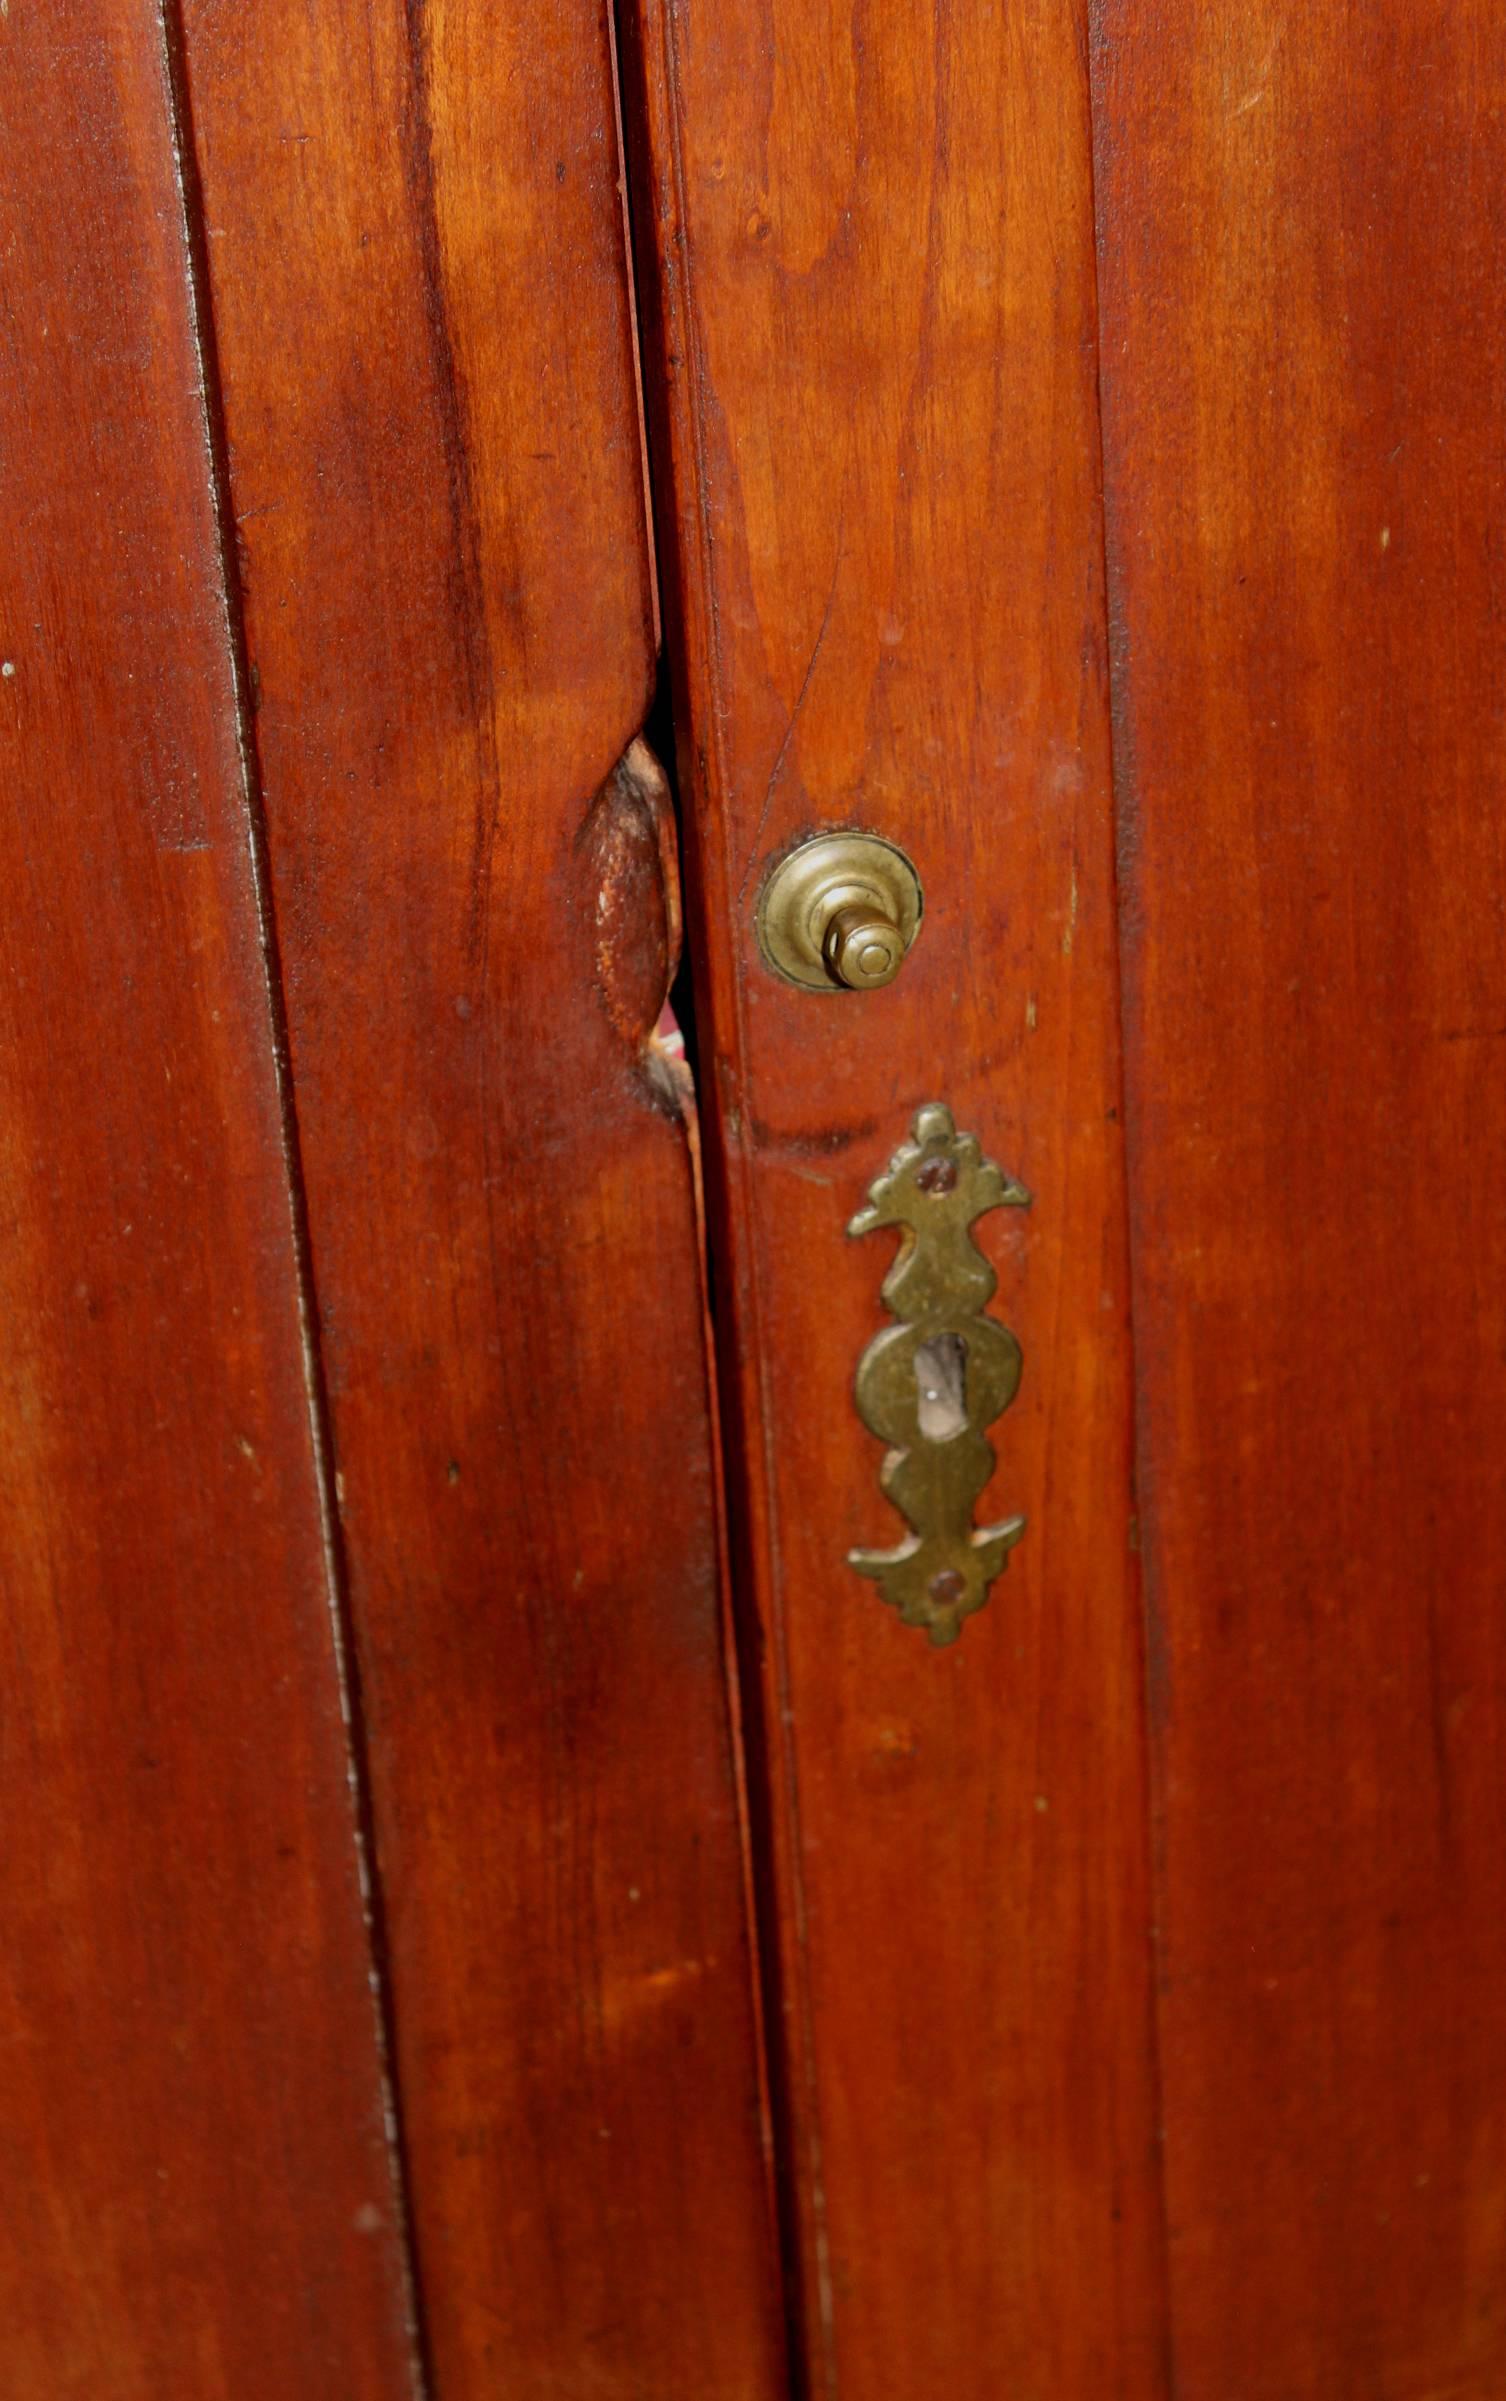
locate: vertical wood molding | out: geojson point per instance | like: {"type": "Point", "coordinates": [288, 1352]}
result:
{"type": "Point", "coordinates": [191, 2109]}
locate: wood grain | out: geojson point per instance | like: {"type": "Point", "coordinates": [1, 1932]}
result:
{"type": "Point", "coordinates": [198, 2196]}
{"type": "Point", "coordinates": [867, 245]}
{"type": "Point", "coordinates": [1304, 242]}
{"type": "Point", "coordinates": [416, 246]}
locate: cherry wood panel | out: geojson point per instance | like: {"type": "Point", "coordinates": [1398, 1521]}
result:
{"type": "Point", "coordinates": [198, 2191]}
{"type": "Point", "coordinates": [867, 249]}
{"type": "Point", "coordinates": [417, 254]}
{"type": "Point", "coordinates": [1304, 224]}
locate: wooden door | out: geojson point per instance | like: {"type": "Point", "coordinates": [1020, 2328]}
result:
{"type": "Point", "coordinates": [1139, 1961]}
{"type": "Point", "coordinates": [1075, 443]}
{"type": "Point", "coordinates": [417, 265]}
{"type": "Point", "coordinates": [359, 1468]}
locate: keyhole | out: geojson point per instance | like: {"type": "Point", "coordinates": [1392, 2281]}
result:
{"type": "Point", "coordinates": [941, 1387]}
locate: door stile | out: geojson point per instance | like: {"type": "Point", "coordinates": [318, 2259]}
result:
{"type": "Point", "coordinates": [882, 575]}
{"type": "Point", "coordinates": [1302, 227]}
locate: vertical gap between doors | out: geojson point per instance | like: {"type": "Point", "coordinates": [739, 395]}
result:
{"type": "Point", "coordinates": [343, 1641]}
{"type": "Point", "coordinates": [1120, 780]}
{"type": "Point", "coordinates": [667, 732]}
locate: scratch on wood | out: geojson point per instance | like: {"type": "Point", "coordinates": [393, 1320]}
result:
{"type": "Point", "coordinates": [800, 699]}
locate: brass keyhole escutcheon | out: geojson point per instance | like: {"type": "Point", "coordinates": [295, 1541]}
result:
{"type": "Point", "coordinates": [839, 913]}
{"type": "Point", "coordinates": [931, 1385]}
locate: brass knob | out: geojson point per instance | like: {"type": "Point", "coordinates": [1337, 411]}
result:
{"type": "Point", "coordinates": [839, 913]}
{"type": "Point", "coordinates": [862, 948]}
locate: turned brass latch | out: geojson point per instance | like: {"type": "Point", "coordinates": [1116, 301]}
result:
{"type": "Point", "coordinates": [839, 912]}
{"type": "Point", "coordinates": [931, 1384]}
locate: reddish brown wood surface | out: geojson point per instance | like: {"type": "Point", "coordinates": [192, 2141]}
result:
{"type": "Point", "coordinates": [1304, 243]}
{"type": "Point", "coordinates": [416, 244]}
{"type": "Point", "coordinates": [198, 2198]}
{"type": "Point", "coordinates": [869, 236]}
